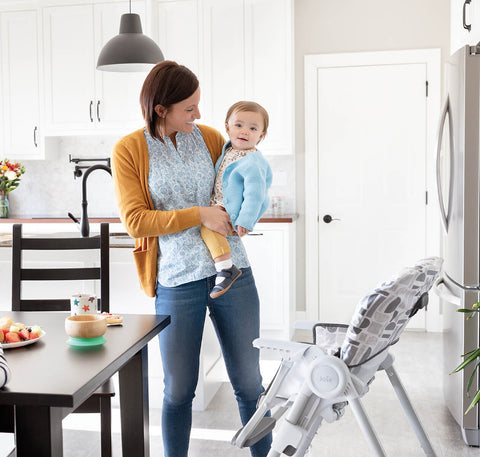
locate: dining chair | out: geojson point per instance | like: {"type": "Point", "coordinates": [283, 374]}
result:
{"type": "Point", "coordinates": [100, 400]}
{"type": "Point", "coordinates": [316, 382]}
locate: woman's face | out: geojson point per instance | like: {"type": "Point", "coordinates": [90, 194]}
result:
{"type": "Point", "coordinates": [180, 117]}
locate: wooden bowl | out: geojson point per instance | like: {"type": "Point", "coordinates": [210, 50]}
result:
{"type": "Point", "coordinates": [85, 326]}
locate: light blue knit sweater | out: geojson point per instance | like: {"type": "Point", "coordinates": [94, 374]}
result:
{"type": "Point", "coordinates": [245, 188]}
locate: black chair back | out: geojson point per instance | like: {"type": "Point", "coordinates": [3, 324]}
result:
{"type": "Point", "coordinates": [21, 274]}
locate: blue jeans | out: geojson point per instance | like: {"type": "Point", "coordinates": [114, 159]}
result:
{"type": "Point", "coordinates": [235, 317]}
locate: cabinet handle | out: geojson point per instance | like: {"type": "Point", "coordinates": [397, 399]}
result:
{"type": "Point", "coordinates": [35, 136]}
{"type": "Point", "coordinates": [254, 234]}
{"type": "Point", "coordinates": [91, 106]}
{"type": "Point", "coordinates": [98, 110]}
{"type": "Point", "coordinates": [465, 25]}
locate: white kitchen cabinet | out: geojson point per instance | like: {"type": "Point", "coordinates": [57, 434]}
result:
{"type": "Point", "coordinates": [270, 249]}
{"type": "Point", "coordinates": [6, 282]}
{"type": "Point", "coordinates": [127, 297]}
{"type": "Point", "coordinates": [20, 76]}
{"type": "Point", "coordinates": [247, 57]}
{"type": "Point", "coordinates": [179, 43]}
{"type": "Point", "coordinates": [464, 23]}
{"type": "Point", "coordinates": [79, 98]}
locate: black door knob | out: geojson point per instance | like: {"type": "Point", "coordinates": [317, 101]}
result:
{"type": "Point", "coordinates": [327, 219]}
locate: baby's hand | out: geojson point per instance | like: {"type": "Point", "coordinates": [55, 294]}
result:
{"type": "Point", "coordinates": [242, 231]}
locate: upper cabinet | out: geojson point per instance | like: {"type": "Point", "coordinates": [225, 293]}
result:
{"type": "Point", "coordinates": [240, 50]}
{"type": "Point", "coordinates": [79, 98]}
{"type": "Point", "coordinates": [465, 23]}
{"type": "Point", "coordinates": [20, 81]}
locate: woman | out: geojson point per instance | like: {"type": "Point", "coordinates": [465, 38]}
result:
{"type": "Point", "coordinates": [163, 178]}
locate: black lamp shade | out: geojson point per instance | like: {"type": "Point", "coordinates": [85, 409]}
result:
{"type": "Point", "coordinates": [130, 50]}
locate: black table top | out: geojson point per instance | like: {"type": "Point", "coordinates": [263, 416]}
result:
{"type": "Point", "coordinates": [50, 372]}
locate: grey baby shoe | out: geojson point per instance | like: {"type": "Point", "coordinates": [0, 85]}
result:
{"type": "Point", "coordinates": [229, 275]}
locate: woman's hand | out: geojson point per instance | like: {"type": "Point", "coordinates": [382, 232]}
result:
{"type": "Point", "coordinates": [215, 218]}
{"type": "Point", "coordinates": [242, 231]}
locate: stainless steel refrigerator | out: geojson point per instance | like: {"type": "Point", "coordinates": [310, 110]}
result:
{"type": "Point", "coordinates": [458, 182]}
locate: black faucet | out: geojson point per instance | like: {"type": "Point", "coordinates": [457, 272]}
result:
{"type": "Point", "coordinates": [84, 225]}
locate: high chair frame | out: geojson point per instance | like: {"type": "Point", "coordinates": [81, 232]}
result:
{"type": "Point", "coordinates": [315, 382]}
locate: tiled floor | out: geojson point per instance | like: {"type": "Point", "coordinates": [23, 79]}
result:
{"type": "Point", "coordinates": [418, 362]}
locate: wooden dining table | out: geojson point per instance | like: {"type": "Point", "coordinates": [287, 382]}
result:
{"type": "Point", "coordinates": [50, 379]}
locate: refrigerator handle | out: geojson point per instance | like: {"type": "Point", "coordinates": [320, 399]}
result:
{"type": "Point", "coordinates": [441, 290]}
{"type": "Point", "coordinates": [465, 25]}
{"type": "Point", "coordinates": [445, 214]}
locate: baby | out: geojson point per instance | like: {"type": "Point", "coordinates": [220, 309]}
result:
{"type": "Point", "coordinates": [241, 186]}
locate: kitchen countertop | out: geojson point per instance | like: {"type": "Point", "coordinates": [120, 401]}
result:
{"type": "Point", "coordinates": [119, 238]}
{"type": "Point", "coordinates": [115, 220]}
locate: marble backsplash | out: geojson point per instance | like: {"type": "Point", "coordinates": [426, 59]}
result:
{"type": "Point", "coordinates": [49, 189]}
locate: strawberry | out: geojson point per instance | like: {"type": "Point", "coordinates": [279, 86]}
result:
{"type": "Point", "coordinates": [34, 335]}
{"type": "Point", "coordinates": [5, 331]}
{"type": "Point", "coordinates": [12, 337]}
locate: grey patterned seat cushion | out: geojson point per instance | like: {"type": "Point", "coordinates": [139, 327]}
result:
{"type": "Point", "coordinates": [380, 316]}
{"type": "Point", "coordinates": [330, 337]}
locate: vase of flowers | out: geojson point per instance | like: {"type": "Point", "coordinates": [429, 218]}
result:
{"type": "Point", "coordinates": [10, 173]}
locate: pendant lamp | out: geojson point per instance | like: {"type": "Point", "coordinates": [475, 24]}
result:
{"type": "Point", "coordinates": [130, 50]}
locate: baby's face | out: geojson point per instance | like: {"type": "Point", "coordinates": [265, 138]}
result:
{"type": "Point", "coordinates": [245, 129]}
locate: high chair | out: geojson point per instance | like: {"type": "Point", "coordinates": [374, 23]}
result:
{"type": "Point", "coordinates": [316, 382]}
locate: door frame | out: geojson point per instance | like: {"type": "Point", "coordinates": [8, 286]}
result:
{"type": "Point", "coordinates": [312, 63]}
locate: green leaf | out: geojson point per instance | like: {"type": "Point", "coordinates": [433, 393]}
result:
{"type": "Point", "coordinates": [474, 402]}
{"type": "Point", "coordinates": [469, 352]}
{"type": "Point", "coordinates": [473, 375]}
{"type": "Point", "coordinates": [469, 360]}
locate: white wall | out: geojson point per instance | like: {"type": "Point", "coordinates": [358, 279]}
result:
{"type": "Point", "coordinates": [334, 26]}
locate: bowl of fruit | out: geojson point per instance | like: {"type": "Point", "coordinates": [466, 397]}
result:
{"type": "Point", "coordinates": [17, 334]}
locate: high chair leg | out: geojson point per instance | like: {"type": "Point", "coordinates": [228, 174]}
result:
{"type": "Point", "coordinates": [410, 411]}
{"type": "Point", "coordinates": [366, 427]}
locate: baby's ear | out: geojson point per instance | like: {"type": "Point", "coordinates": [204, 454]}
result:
{"type": "Point", "coordinates": [226, 127]}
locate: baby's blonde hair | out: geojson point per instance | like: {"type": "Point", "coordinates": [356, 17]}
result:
{"type": "Point", "coordinates": [250, 107]}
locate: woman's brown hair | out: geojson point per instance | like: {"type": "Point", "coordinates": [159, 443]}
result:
{"type": "Point", "coordinates": [166, 84]}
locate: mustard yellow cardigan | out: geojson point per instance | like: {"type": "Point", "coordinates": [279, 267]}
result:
{"type": "Point", "coordinates": [130, 166]}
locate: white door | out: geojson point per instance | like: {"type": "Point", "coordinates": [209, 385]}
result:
{"type": "Point", "coordinates": [371, 151]}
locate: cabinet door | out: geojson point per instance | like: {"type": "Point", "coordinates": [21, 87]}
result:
{"type": "Point", "coordinates": [223, 81]}
{"type": "Point", "coordinates": [20, 85]}
{"type": "Point", "coordinates": [6, 275]}
{"type": "Point", "coordinates": [268, 249]}
{"type": "Point", "coordinates": [179, 43]}
{"type": "Point", "coordinates": [69, 64]}
{"type": "Point", "coordinates": [268, 54]}
{"type": "Point", "coordinates": [464, 15]}
{"type": "Point", "coordinates": [117, 105]}
{"type": "Point", "coordinates": [125, 293]}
